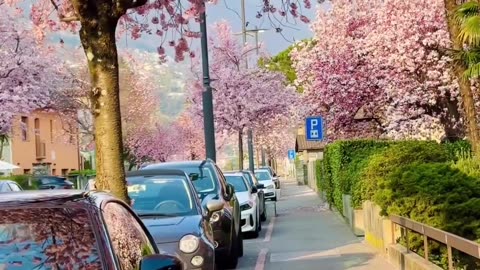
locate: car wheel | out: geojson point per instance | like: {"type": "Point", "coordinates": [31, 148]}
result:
{"type": "Point", "coordinates": [240, 245]}
{"type": "Point", "coordinates": [263, 216]}
{"type": "Point", "coordinates": [259, 223]}
{"type": "Point", "coordinates": [231, 261]}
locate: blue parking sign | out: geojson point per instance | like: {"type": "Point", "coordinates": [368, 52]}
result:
{"type": "Point", "coordinates": [314, 128]}
{"type": "Point", "coordinates": [291, 154]}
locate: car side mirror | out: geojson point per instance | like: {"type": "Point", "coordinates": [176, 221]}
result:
{"type": "Point", "coordinates": [160, 262]}
{"type": "Point", "coordinates": [230, 191]}
{"type": "Point", "coordinates": [274, 175]}
{"type": "Point", "coordinates": [214, 206]}
{"type": "Point", "coordinates": [260, 186]}
{"type": "Point", "coordinates": [254, 189]}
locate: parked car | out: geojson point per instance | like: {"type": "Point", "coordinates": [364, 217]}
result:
{"type": "Point", "coordinates": [249, 203]}
{"type": "Point", "coordinates": [9, 186]}
{"type": "Point", "coordinates": [53, 182]}
{"type": "Point", "coordinates": [77, 230]}
{"type": "Point", "coordinates": [210, 184]}
{"type": "Point", "coordinates": [275, 178]}
{"type": "Point", "coordinates": [265, 178]}
{"type": "Point", "coordinates": [169, 206]}
{"type": "Point", "coordinates": [253, 182]}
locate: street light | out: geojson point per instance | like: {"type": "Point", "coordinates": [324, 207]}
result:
{"type": "Point", "coordinates": [207, 96]}
{"type": "Point", "coordinates": [244, 33]}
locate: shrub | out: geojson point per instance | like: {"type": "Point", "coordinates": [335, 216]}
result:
{"type": "Point", "coordinates": [435, 194]}
{"type": "Point", "coordinates": [384, 163]}
{"type": "Point", "coordinates": [23, 181]}
{"type": "Point", "coordinates": [342, 166]}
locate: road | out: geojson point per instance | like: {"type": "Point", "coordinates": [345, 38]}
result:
{"type": "Point", "coordinates": [306, 235]}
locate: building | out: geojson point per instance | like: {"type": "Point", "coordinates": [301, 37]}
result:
{"type": "Point", "coordinates": [43, 144]}
{"type": "Point", "coordinates": [308, 152]}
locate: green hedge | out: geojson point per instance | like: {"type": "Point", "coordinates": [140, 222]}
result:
{"type": "Point", "coordinates": [340, 169]}
{"type": "Point", "coordinates": [436, 184]}
{"type": "Point", "coordinates": [22, 180]}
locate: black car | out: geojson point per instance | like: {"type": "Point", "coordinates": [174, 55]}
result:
{"type": "Point", "coordinates": [168, 204]}
{"type": "Point", "coordinates": [253, 182]}
{"type": "Point", "coordinates": [53, 182]}
{"type": "Point", "coordinates": [75, 230]}
{"type": "Point", "coordinates": [9, 186]}
{"type": "Point", "coordinates": [210, 184]}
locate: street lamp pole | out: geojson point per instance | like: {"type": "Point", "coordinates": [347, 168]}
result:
{"type": "Point", "coordinates": [207, 96]}
{"type": "Point", "coordinates": [251, 162]}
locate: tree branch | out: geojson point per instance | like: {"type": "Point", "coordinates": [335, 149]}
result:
{"type": "Point", "coordinates": [70, 19]}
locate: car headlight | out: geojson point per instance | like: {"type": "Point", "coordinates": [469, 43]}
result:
{"type": "Point", "coordinates": [246, 206]}
{"type": "Point", "coordinates": [270, 186]}
{"type": "Point", "coordinates": [189, 243]}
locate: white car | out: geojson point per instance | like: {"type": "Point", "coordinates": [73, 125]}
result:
{"type": "Point", "coordinates": [248, 201]}
{"type": "Point", "coordinates": [264, 177]}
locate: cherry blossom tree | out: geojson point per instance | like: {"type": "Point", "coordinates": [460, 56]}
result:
{"type": "Point", "coordinates": [98, 21]}
{"type": "Point", "coordinates": [370, 81]}
{"type": "Point", "coordinates": [243, 98]}
{"type": "Point", "coordinates": [25, 72]}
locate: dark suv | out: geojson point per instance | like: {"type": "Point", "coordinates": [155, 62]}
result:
{"type": "Point", "coordinates": [210, 184]}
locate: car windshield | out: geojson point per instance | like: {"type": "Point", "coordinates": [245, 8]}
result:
{"type": "Point", "coordinates": [44, 238]}
{"type": "Point", "coordinates": [160, 195]}
{"type": "Point", "coordinates": [237, 182]}
{"type": "Point", "coordinates": [249, 178]}
{"type": "Point", "coordinates": [204, 183]}
{"type": "Point", "coordinates": [263, 175]}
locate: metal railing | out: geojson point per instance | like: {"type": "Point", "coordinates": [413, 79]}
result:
{"type": "Point", "coordinates": [452, 241]}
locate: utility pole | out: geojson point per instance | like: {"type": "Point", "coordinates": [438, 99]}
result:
{"type": "Point", "coordinates": [207, 96]}
{"type": "Point", "coordinates": [251, 162]}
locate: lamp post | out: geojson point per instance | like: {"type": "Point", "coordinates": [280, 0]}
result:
{"type": "Point", "coordinates": [207, 96]}
{"type": "Point", "coordinates": [251, 161]}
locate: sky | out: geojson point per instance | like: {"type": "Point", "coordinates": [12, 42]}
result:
{"type": "Point", "coordinates": [229, 10]}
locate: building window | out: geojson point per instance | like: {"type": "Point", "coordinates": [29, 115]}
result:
{"type": "Point", "coordinates": [54, 171]}
{"type": "Point", "coordinates": [37, 126]}
{"type": "Point", "coordinates": [24, 127]}
{"type": "Point", "coordinates": [26, 171]}
{"type": "Point", "coordinates": [51, 131]}
{"type": "Point", "coordinates": [64, 172]}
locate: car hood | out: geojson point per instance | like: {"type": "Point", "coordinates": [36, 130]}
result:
{"type": "Point", "coordinates": [266, 182]}
{"type": "Point", "coordinates": [243, 197]}
{"type": "Point", "coordinates": [171, 229]}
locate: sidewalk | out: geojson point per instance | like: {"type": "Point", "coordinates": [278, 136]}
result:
{"type": "Point", "coordinates": [306, 235]}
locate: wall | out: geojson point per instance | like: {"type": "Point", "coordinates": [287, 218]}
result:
{"type": "Point", "coordinates": [62, 153]}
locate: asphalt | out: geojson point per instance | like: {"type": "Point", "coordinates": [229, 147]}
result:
{"type": "Point", "coordinates": [306, 235]}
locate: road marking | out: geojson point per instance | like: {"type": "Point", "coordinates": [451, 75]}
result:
{"type": "Point", "coordinates": [262, 258]}
{"type": "Point", "coordinates": [268, 235]}
{"type": "Point", "coordinates": [304, 255]}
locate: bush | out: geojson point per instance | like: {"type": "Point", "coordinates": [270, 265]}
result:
{"type": "Point", "coordinates": [435, 194]}
{"type": "Point", "coordinates": [384, 163]}
{"type": "Point", "coordinates": [341, 167]}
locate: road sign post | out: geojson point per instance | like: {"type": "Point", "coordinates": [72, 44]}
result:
{"type": "Point", "coordinates": [314, 128]}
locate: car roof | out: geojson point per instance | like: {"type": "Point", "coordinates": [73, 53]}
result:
{"type": "Point", "coordinates": [156, 172]}
{"type": "Point", "coordinates": [45, 196]}
{"type": "Point", "coordinates": [177, 164]}
{"type": "Point", "coordinates": [233, 173]}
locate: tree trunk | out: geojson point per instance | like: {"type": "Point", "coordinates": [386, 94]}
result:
{"type": "Point", "coordinates": [465, 87]}
{"type": "Point", "coordinates": [3, 139]}
{"type": "Point", "coordinates": [240, 150]}
{"type": "Point", "coordinates": [98, 40]}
